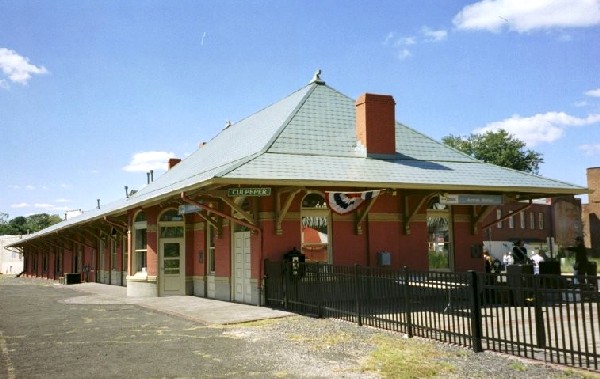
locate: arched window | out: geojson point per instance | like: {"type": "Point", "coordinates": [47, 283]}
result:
{"type": "Point", "coordinates": [139, 243]}
{"type": "Point", "coordinates": [316, 229]}
{"type": "Point", "coordinates": [439, 236]}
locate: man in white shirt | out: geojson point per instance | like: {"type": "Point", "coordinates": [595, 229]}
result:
{"type": "Point", "coordinates": [536, 259]}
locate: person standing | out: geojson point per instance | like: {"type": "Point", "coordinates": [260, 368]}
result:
{"type": "Point", "coordinates": [536, 259]}
{"type": "Point", "coordinates": [488, 260]}
{"type": "Point", "coordinates": [507, 259]}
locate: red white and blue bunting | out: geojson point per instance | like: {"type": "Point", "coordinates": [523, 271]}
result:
{"type": "Point", "coordinates": [347, 202]}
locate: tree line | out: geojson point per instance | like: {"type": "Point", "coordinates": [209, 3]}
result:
{"type": "Point", "coordinates": [24, 225]}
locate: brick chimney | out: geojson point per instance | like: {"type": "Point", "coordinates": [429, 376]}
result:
{"type": "Point", "coordinates": [173, 162]}
{"type": "Point", "coordinates": [376, 124]}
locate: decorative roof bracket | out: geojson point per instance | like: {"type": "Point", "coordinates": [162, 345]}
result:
{"type": "Point", "coordinates": [360, 216]}
{"type": "Point", "coordinates": [281, 210]}
{"type": "Point", "coordinates": [477, 217]}
{"type": "Point", "coordinates": [409, 217]}
{"type": "Point", "coordinates": [84, 243]}
{"type": "Point", "coordinates": [236, 208]}
{"type": "Point", "coordinates": [508, 215]}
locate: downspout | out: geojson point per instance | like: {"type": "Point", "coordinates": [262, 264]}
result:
{"type": "Point", "coordinates": [210, 210]}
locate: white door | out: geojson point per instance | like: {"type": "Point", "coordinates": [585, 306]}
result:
{"type": "Point", "coordinates": [172, 263]}
{"type": "Point", "coordinates": [241, 267]}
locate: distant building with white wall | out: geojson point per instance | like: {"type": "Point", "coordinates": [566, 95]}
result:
{"type": "Point", "coordinates": [11, 261]}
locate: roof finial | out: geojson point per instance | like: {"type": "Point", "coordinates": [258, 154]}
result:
{"type": "Point", "coordinates": [317, 78]}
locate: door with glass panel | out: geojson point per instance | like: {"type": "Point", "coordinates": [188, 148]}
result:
{"type": "Point", "coordinates": [439, 230]}
{"type": "Point", "coordinates": [171, 254]}
{"type": "Point", "coordinates": [172, 267]}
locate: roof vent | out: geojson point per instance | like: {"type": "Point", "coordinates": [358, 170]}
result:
{"type": "Point", "coordinates": [317, 78]}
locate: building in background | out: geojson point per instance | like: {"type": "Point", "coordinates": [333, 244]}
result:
{"type": "Point", "coordinates": [591, 213]}
{"type": "Point", "coordinates": [11, 260]}
{"type": "Point", "coordinates": [549, 225]}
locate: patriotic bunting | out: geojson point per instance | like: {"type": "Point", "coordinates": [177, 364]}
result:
{"type": "Point", "coordinates": [347, 202]}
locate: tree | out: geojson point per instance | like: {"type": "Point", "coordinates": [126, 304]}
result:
{"type": "Point", "coordinates": [29, 224]}
{"type": "Point", "coordinates": [499, 148]}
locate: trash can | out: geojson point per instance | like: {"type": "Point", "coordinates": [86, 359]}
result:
{"type": "Point", "coordinates": [294, 260]}
{"type": "Point", "coordinates": [73, 278]}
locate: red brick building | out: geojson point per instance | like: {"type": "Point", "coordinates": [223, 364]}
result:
{"type": "Point", "coordinates": [551, 225]}
{"type": "Point", "coordinates": [591, 213]}
{"type": "Point", "coordinates": [339, 179]}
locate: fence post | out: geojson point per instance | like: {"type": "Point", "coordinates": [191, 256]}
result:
{"type": "Point", "coordinates": [320, 292]}
{"type": "Point", "coordinates": [407, 310]}
{"type": "Point", "coordinates": [539, 314]}
{"type": "Point", "coordinates": [357, 296]}
{"type": "Point", "coordinates": [284, 283]}
{"type": "Point", "coordinates": [476, 319]}
{"type": "Point", "coordinates": [264, 280]}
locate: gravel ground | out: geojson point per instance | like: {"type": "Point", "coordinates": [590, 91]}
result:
{"type": "Point", "coordinates": [288, 347]}
{"type": "Point", "coordinates": [333, 348]}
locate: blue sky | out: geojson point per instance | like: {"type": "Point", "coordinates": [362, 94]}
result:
{"type": "Point", "coordinates": [94, 94]}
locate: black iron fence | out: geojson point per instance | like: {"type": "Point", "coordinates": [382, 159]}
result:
{"type": "Point", "coordinates": [546, 317]}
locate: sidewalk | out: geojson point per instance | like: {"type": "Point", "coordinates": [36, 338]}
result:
{"type": "Point", "coordinates": [197, 309]}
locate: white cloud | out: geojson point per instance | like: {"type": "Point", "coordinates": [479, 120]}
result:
{"type": "Point", "coordinates": [544, 127]}
{"type": "Point", "coordinates": [29, 187]}
{"type": "Point", "coordinates": [434, 35]}
{"type": "Point", "coordinates": [590, 149]}
{"type": "Point", "coordinates": [17, 68]}
{"type": "Point", "coordinates": [404, 54]}
{"type": "Point", "coordinates": [390, 37]}
{"type": "Point", "coordinates": [149, 160]}
{"type": "Point", "coordinates": [19, 205]}
{"type": "Point", "coordinates": [523, 16]}
{"type": "Point", "coordinates": [44, 206]}
{"type": "Point", "coordinates": [62, 200]}
{"type": "Point", "coordinates": [593, 92]}
{"type": "Point", "coordinates": [406, 41]}
{"type": "Point", "coordinates": [401, 44]}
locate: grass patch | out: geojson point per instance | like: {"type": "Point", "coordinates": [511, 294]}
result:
{"type": "Point", "coordinates": [403, 359]}
{"type": "Point", "coordinates": [518, 366]}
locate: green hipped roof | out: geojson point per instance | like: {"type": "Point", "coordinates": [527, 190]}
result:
{"type": "Point", "coordinates": [309, 138]}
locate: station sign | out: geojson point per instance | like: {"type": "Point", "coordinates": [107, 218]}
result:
{"type": "Point", "coordinates": [252, 192]}
{"type": "Point", "coordinates": [188, 208]}
{"type": "Point", "coordinates": [470, 199]}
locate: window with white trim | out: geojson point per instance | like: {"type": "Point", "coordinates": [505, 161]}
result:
{"type": "Point", "coordinates": [511, 220]}
{"type": "Point", "coordinates": [139, 243]}
{"type": "Point", "coordinates": [541, 220]}
{"type": "Point", "coordinates": [531, 221]}
{"type": "Point", "coordinates": [522, 219]}
{"type": "Point", "coordinates": [210, 249]}
{"type": "Point", "coordinates": [125, 250]}
{"type": "Point", "coordinates": [316, 232]}
{"type": "Point", "coordinates": [498, 217]}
